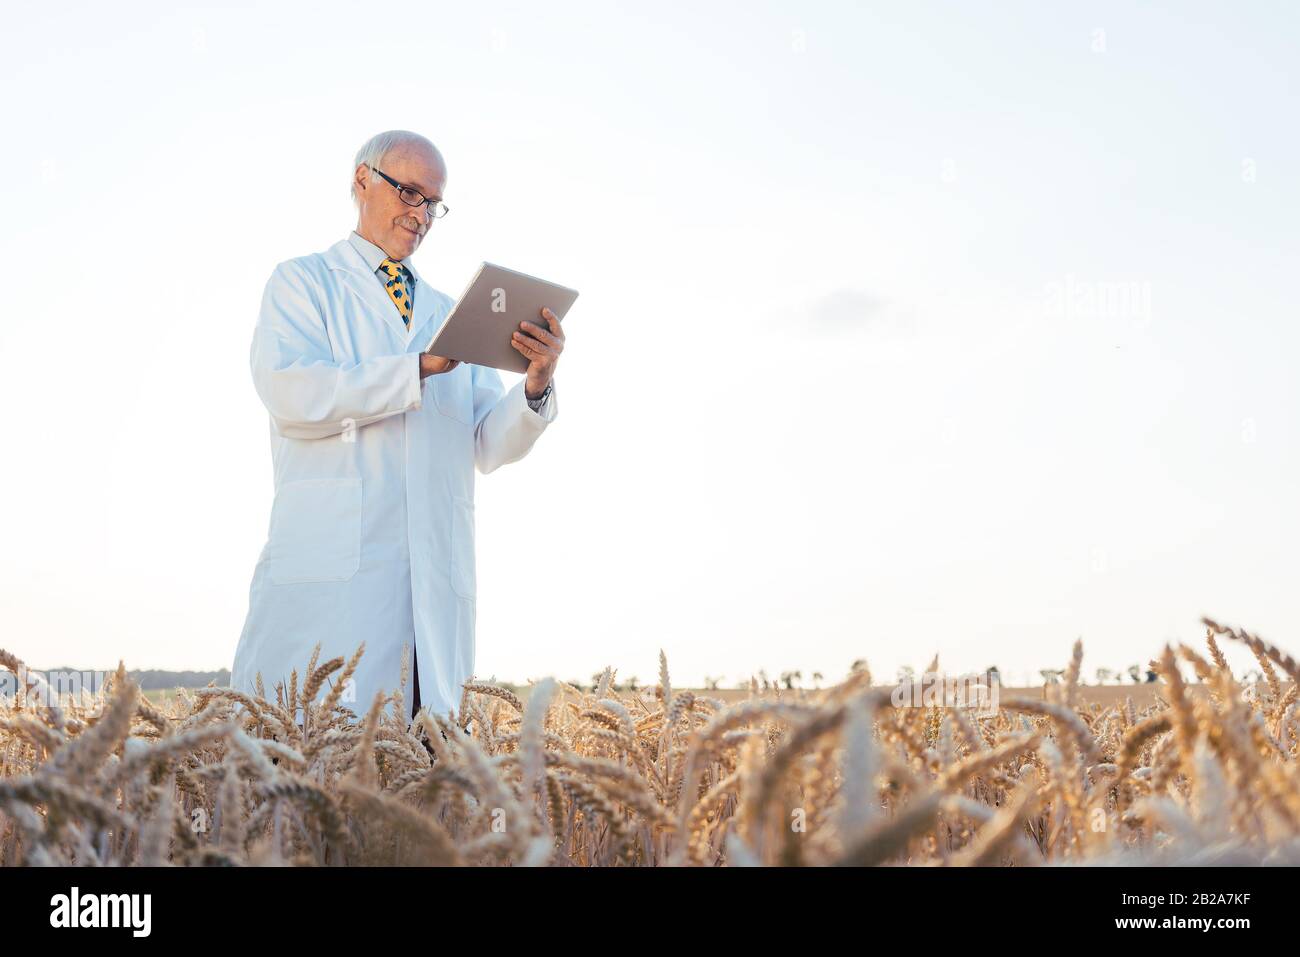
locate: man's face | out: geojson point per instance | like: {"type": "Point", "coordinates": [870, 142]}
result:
{"type": "Point", "coordinates": [383, 218]}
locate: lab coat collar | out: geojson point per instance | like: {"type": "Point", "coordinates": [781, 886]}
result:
{"type": "Point", "coordinates": [345, 258]}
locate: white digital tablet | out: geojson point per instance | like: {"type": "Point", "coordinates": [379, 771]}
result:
{"type": "Point", "coordinates": [480, 324]}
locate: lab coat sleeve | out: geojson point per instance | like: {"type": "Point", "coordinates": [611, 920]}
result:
{"type": "Point", "coordinates": [505, 427]}
{"type": "Point", "coordinates": [309, 395]}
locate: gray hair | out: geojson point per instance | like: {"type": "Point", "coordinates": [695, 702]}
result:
{"type": "Point", "coordinates": [374, 150]}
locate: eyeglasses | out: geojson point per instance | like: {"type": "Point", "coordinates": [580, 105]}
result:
{"type": "Point", "coordinates": [413, 197]}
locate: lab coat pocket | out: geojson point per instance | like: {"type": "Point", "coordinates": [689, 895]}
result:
{"type": "Point", "coordinates": [315, 531]}
{"type": "Point", "coordinates": [454, 394]}
{"type": "Point", "coordinates": [462, 547]}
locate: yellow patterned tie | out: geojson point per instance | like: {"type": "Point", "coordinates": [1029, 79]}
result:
{"type": "Point", "coordinates": [398, 290]}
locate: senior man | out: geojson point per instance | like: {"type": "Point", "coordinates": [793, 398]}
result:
{"type": "Point", "coordinates": [374, 446]}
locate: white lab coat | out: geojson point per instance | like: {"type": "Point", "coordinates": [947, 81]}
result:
{"type": "Point", "coordinates": [371, 535]}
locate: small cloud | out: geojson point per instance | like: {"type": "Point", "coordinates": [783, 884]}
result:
{"type": "Point", "coordinates": [846, 307]}
{"type": "Point", "coordinates": [855, 311]}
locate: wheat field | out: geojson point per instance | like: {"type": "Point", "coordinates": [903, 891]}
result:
{"type": "Point", "coordinates": [1204, 772]}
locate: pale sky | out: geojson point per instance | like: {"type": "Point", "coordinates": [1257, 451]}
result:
{"type": "Point", "coordinates": [904, 329]}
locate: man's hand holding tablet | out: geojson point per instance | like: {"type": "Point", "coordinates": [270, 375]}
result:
{"type": "Point", "coordinates": [433, 365]}
{"type": "Point", "coordinates": [507, 320]}
{"type": "Point", "coordinates": [542, 347]}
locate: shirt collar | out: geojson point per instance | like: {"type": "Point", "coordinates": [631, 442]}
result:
{"type": "Point", "coordinates": [373, 255]}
